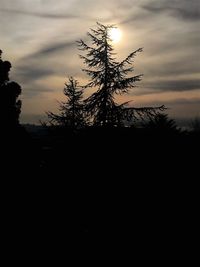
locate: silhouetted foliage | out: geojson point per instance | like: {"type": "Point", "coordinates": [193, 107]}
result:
{"type": "Point", "coordinates": [10, 107]}
{"type": "Point", "coordinates": [5, 67]}
{"type": "Point", "coordinates": [195, 125]}
{"type": "Point", "coordinates": [162, 124]}
{"type": "Point", "coordinates": [71, 112]}
{"type": "Point", "coordinates": [109, 77]}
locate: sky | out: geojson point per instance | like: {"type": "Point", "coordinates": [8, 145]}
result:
{"type": "Point", "coordinates": [39, 38]}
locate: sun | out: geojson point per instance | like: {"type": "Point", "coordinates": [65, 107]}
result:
{"type": "Point", "coordinates": [115, 35]}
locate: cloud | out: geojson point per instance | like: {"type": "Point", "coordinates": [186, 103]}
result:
{"type": "Point", "coordinates": [37, 14]}
{"type": "Point", "coordinates": [173, 67]}
{"type": "Point", "coordinates": [183, 101]}
{"type": "Point", "coordinates": [182, 9]}
{"type": "Point", "coordinates": [176, 85]}
{"type": "Point", "coordinates": [34, 91]}
{"type": "Point", "coordinates": [29, 73]}
{"type": "Point", "coordinates": [48, 49]}
{"type": "Point", "coordinates": [175, 101]}
{"type": "Point", "coordinates": [36, 66]}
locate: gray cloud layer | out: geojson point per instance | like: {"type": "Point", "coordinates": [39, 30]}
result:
{"type": "Point", "coordinates": [175, 85]}
{"type": "Point", "coordinates": [183, 9]}
{"type": "Point", "coordinates": [37, 14]}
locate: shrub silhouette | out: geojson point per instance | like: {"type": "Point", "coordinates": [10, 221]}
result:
{"type": "Point", "coordinates": [162, 124]}
{"type": "Point", "coordinates": [10, 107]}
{"type": "Point", "coordinates": [195, 125]}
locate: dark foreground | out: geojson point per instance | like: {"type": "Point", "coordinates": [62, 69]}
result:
{"type": "Point", "coordinates": [100, 183]}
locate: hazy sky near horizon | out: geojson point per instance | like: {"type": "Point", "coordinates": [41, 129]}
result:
{"type": "Point", "coordinates": [39, 38]}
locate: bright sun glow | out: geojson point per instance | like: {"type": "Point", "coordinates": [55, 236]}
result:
{"type": "Point", "coordinates": [115, 35]}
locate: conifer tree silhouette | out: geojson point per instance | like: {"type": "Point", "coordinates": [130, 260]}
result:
{"type": "Point", "coordinates": [109, 77]}
{"type": "Point", "coordinates": [195, 125]}
{"type": "Point", "coordinates": [10, 107]}
{"type": "Point", "coordinates": [161, 123]}
{"type": "Point", "coordinates": [71, 112]}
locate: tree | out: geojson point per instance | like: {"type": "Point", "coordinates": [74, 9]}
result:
{"type": "Point", "coordinates": [10, 107]}
{"type": "Point", "coordinates": [5, 67]}
{"type": "Point", "coordinates": [195, 125]}
{"type": "Point", "coordinates": [71, 112]}
{"type": "Point", "coordinates": [109, 77]}
{"type": "Point", "coordinates": [162, 124]}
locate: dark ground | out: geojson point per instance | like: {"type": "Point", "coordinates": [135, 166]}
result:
{"type": "Point", "coordinates": [101, 183]}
